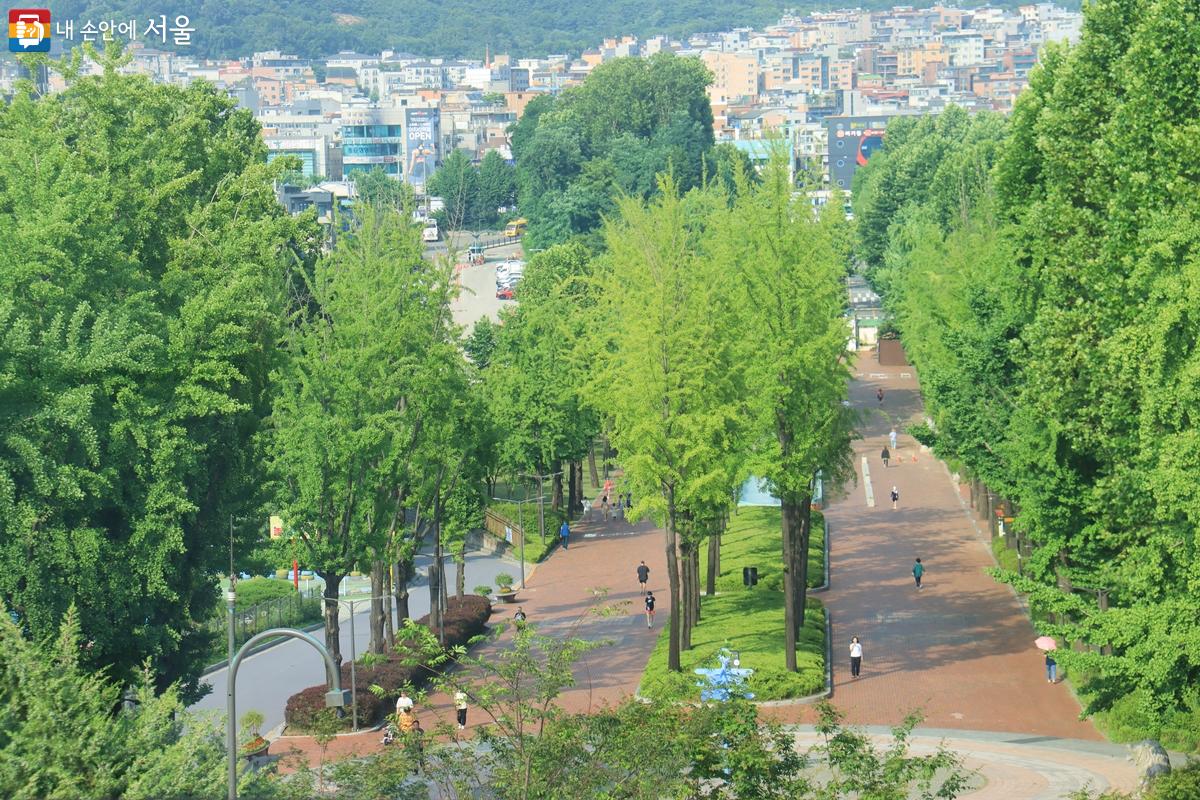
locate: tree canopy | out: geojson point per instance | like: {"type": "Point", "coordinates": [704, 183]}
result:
{"type": "Point", "coordinates": [1051, 318]}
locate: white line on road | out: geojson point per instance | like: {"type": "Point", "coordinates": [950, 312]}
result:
{"type": "Point", "coordinates": [867, 483]}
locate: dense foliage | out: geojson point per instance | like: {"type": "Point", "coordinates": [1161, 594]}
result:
{"type": "Point", "coordinates": [461, 28]}
{"type": "Point", "coordinates": [632, 120]}
{"type": "Point", "coordinates": [1052, 317]}
{"type": "Point", "coordinates": [474, 194]}
{"type": "Point", "coordinates": [145, 262]}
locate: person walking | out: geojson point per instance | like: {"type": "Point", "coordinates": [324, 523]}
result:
{"type": "Point", "coordinates": [918, 570]}
{"type": "Point", "coordinates": [460, 708]}
{"type": "Point", "coordinates": [649, 609]}
{"type": "Point", "coordinates": [855, 657]}
{"type": "Point", "coordinates": [417, 738]}
{"type": "Point", "coordinates": [885, 455]}
{"type": "Point", "coordinates": [564, 533]}
{"type": "Point", "coordinates": [643, 573]}
{"type": "Point", "coordinates": [895, 498]}
{"type": "Point", "coordinates": [879, 394]}
{"type": "Point", "coordinates": [519, 617]}
{"type": "Point", "coordinates": [404, 711]}
{"type": "Point", "coordinates": [892, 438]}
{"type": "Point", "coordinates": [1051, 668]}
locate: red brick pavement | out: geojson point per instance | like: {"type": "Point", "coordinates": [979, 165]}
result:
{"type": "Point", "coordinates": [960, 649]}
{"type": "Point", "coordinates": [601, 555]}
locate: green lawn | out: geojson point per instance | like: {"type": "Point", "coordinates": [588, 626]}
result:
{"type": "Point", "coordinates": [535, 550]}
{"type": "Point", "coordinates": [753, 539]}
{"type": "Point", "coordinates": [1006, 557]}
{"type": "Point", "coordinates": [749, 620]}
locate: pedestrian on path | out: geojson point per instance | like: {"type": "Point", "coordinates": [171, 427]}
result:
{"type": "Point", "coordinates": [460, 708]}
{"type": "Point", "coordinates": [564, 533]}
{"type": "Point", "coordinates": [643, 573]}
{"type": "Point", "coordinates": [649, 609]}
{"type": "Point", "coordinates": [918, 570]}
{"type": "Point", "coordinates": [879, 394]}
{"type": "Point", "coordinates": [418, 744]}
{"type": "Point", "coordinates": [519, 617]}
{"type": "Point", "coordinates": [855, 657]}
{"type": "Point", "coordinates": [895, 498]}
{"type": "Point", "coordinates": [892, 438]}
{"type": "Point", "coordinates": [404, 711]}
{"type": "Point", "coordinates": [1051, 668]}
{"type": "Point", "coordinates": [604, 505]}
{"type": "Point", "coordinates": [885, 455]}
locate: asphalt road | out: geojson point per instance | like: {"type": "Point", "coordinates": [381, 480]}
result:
{"type": "Point", "coordinates": [267, 679]}
{"type": "Point", "coordinates": [478, 296]}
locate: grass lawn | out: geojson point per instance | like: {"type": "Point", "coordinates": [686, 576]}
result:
{"type": "Point", "coordinates": [1006, 557]}
{"type": "Point", "coordinates": [753, 539]}
{"type": "Point", "coordinates": [749, 620]}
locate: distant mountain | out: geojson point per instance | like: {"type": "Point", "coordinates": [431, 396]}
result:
{"type": "Point", "coordinates": [314, 28]}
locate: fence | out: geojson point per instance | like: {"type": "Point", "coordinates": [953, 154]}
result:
{"type": "Point", "coordinates": [296, 610]}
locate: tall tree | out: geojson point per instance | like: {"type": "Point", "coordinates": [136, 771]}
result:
{"type": "Point", "coordinates": [667, 376]}
{"type": "Point", "coordinates": [140, 296]}
{"type": "Point", "coordinates": [792, 297]}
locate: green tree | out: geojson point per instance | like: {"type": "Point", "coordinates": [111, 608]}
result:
{"type": "Point", "coordinates": [376, 187]}
{"type": "Point", "coordinates": [496, 187]}
{"type": "Point", "coordinates": [140, 309]}
{"type": "Point", "coordinates": [791, 301]}
{"type": "Point", "coordinates": [456, 182]}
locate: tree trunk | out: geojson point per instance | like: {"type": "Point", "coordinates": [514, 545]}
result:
{"type": "Point", "coordinates": [791, 623]}
{"type": "Point", "coordinates": [460, 575]}
{"type": "Point", "coordinates": [714, 555]}
{"type": "Point", "coordinates": [672, 545]}
{"type": "Point", "coordinates": [389, 621]}
{"type": "Point", "coordinates": [556, 501]}
{"type": "Point", "coordinates": [685, 566]}
{"type": "Point", "coordinates": [592, 465]}
{"type": "Point", "coordinates": [696, 584]}
{"type": "Point", "coordinates": [572, 490]}
{"type": "Point", "coordinates": [401, 573]}
{"type": "Point", "coordinates": [802, 547]}
{"type": "Point", "coordinates": [378, 596]}
{"type": "Point", "coordinates": [333, 630]}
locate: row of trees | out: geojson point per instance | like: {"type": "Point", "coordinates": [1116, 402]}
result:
{"type": "Point", "coordinates": [721, 353]}
{"type": "Point", "coordinates": [474, 194]}
{"type": "Point", "coordinates": [1043, 273]}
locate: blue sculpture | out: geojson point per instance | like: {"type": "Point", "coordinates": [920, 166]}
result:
{"type": "Point", "coordinates": [726, 681]}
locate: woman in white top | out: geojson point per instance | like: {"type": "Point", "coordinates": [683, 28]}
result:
{"type": "Point", "coordinates": [855, 657]}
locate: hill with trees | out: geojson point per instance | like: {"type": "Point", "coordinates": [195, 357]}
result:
{"type": "Point", "coordinates": [462, 28]}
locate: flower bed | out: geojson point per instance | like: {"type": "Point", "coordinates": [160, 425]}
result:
{"type": "Point", "coordinates": [466, 617]}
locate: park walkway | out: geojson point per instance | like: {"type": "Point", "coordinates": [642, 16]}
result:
{"type": "Point", "coordinates": [960, 649]}
{"type": "Point", "coordinates": [561, 591]}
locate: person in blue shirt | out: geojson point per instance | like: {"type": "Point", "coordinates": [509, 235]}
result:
{"type": "Point", "coordinates": [564, 533]}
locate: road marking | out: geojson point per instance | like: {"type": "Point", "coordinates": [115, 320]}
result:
{"type": "Point", "coordinates": [867, 483]}
{"type": "Point", "coordinates": [879, 375]}
{"type": "Point", "coordinates": [905, 374]}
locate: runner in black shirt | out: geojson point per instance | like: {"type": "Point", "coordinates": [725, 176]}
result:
{"type": "Point", "coordinates": [643, 575]}
{"type": "Point", "coordinates": [649, 609]}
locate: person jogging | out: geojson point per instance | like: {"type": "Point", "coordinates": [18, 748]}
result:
{"type": "Point", "coordinates": [918, 570]}
{"type": "Point", "coordinates": [895, 498]}
{"type": "Point", "coordinates": [643, 573]}
{"type": "Point", "coordinates": [649, 609]}
{"type": "Point", "coordinates": [879, 394]}
{"type": "Point", "coordinates": [564, 533]}
{"type": "Point", "coordinates": [885, 455]}
{"type": "Point", "coordinates": [855, 657]}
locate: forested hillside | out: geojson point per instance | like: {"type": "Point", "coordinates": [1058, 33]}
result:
{"type": "Point", "coordinates": [231, 28]}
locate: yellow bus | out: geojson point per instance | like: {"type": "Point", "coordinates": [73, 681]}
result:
{"type": "Point", "coordinates": [516, 228]}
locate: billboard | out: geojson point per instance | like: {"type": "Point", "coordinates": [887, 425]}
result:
{"type": "Point", "coordinates": [852, 140]}
{"type": "Point", "coordinates": [421, 137]}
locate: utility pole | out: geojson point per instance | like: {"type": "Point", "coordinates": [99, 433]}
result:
{"type": "Point", "coordinates": [542, 501]}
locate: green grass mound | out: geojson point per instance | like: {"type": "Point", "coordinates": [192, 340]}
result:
{"type": "Point", "coordinates": [751, 622]}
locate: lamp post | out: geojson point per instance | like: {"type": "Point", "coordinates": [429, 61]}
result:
{"type": "Point", "coordinates": [354, 654]}
{"type": "Point", "coordinates": [334, 698]}
{"type": "Point", "coordinates": [541, 496]}
{"type": "Point", "coordinates": [521, 525]}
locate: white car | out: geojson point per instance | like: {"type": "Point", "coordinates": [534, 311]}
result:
{"type": "Point", "coordinates": [430, 234]}
{"type": "Point", "coordinates": [509, 272]}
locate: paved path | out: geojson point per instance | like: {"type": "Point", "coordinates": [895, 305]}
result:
{"type": "Point", "coordinates": [601, 555]}
{"type": "Point", "coordinates": [960, 649]}
{"type": "Point", "coordinates": [1016, 767]}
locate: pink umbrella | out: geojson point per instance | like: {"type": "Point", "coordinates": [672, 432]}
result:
{"type": "Point", "coordinates": [1046, 643]}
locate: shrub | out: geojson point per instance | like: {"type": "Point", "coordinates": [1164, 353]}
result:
{"type": "Point", "coordinates": [483, 590]}
{"type": "Point", "coordinates": [465, 618]}
{"type": "Point", "coordinates": [253, 591]}
{"type": "Point", "coordinates": [504, 580]}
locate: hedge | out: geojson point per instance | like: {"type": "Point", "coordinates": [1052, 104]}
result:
{"type": "Point", "coordinates": [253, 591]}
{"type": "Point", "coordinates": [466, 617]}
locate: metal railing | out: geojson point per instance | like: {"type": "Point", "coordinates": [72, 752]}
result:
{"type": "Point", "coordinates": [295, 610]}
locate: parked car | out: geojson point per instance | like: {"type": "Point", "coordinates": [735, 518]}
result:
{"type": "Point", "coordinates": [507, 270]}
{"type": "Point", "coordinates": [506, 292]}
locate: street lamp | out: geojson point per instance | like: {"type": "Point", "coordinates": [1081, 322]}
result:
{"type": "Point", "coordinates": [354, 654]}
{"type": "Point", "coordinates": [336, 697]}
{"type": "Point", "coordinates": [521, 525]}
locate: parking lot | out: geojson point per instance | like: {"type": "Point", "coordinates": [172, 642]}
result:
{"type": "Point", "coordinates": [478, 296]}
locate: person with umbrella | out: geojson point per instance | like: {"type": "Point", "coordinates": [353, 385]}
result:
{"type": "Point", "coordinates": [1048, 645]}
